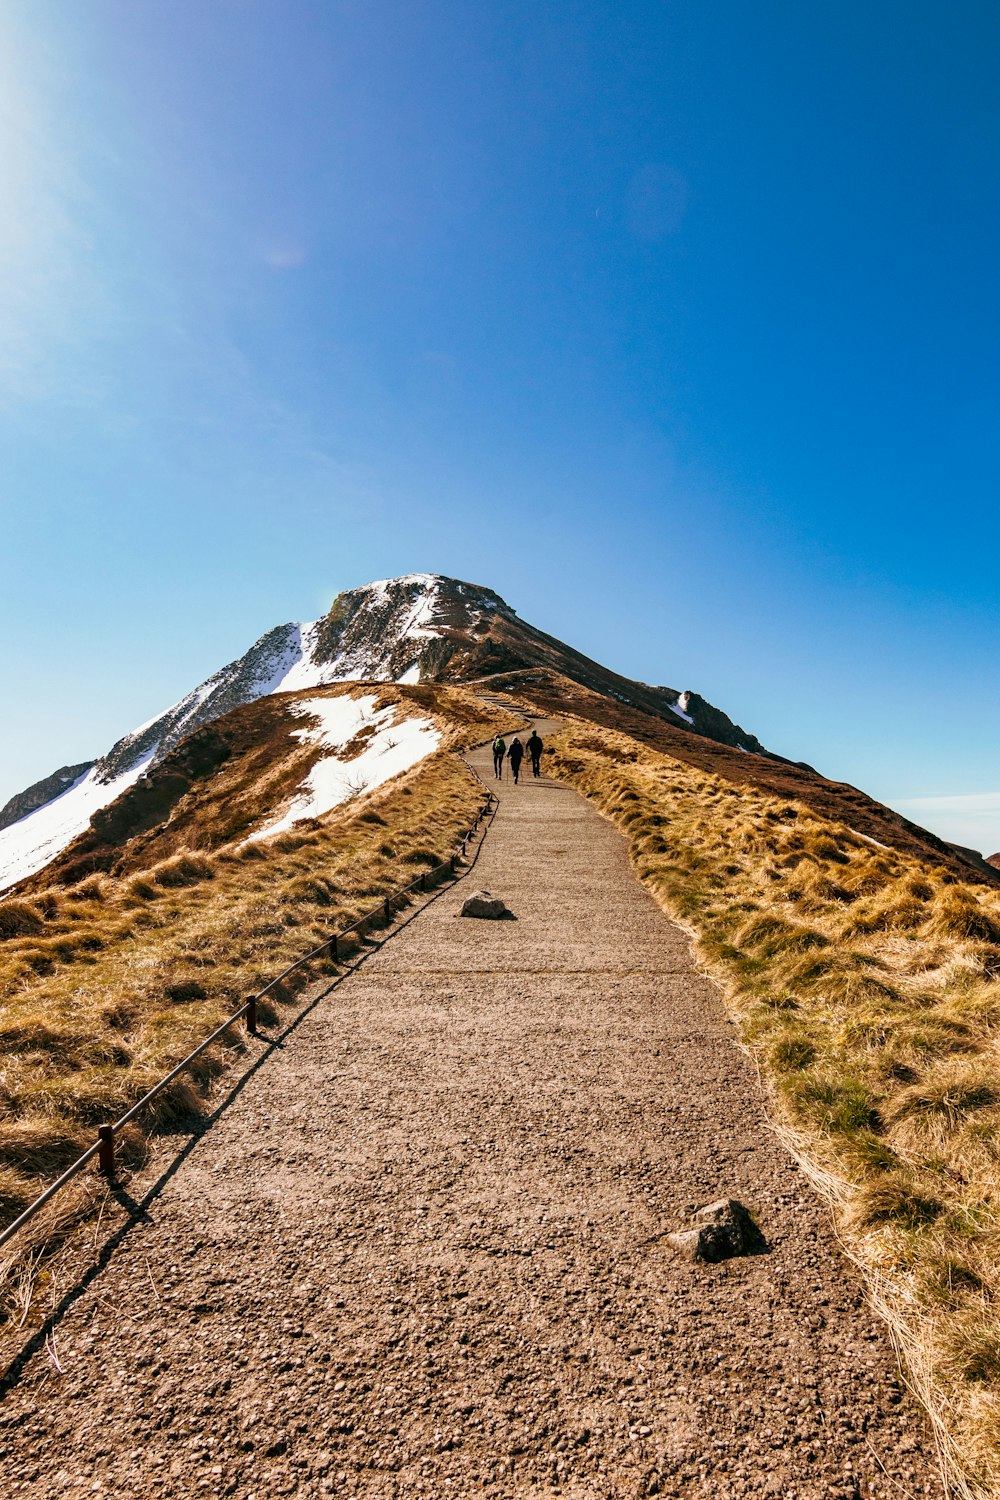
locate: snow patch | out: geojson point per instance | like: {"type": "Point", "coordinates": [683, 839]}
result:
{"type": "Point", "coordinates": [28, 845]}
{"type": "Point", "coordinates": [680, 708]}
{"type": "Point", "coordinates": [867, 838]}
{"type": "Point", "coordinates": [421, 616]}
{"type": "Point", "coordinates": [394, 746]}
{"type": "Point", "coordinates": [300, 670]}
{"type": "Point", "coordinates": [426, 581]}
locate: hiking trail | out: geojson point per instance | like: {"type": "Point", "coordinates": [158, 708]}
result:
{"type": "Point", "coordinates": [421, 1250]}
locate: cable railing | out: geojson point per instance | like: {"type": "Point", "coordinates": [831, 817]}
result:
{"type": "Point", "coordinates": [104, 1146]}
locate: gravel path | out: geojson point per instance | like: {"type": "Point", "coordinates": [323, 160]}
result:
{"type": "Point", "coordinates": [421, 1250]}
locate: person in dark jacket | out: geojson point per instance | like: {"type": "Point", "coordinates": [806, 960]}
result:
{"type": "Point", "coordinates": [535, 748]}
{"type": "Point", "coordinates": [515, 755]}
{"type": "Point", "coordinates": [499, 751]}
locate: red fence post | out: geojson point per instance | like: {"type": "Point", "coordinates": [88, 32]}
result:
{"type": "Point", "coordinates": [106, 1153]}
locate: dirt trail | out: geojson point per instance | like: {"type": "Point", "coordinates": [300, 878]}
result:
{"type": "Point", "coordinates": [421, 1251]}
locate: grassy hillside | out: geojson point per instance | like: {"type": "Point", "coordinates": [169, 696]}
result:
{"type": "Point", "coordinates": [785, 779]}
{"type": "Point", "coordinates": [106, 982]}
{"type": "Point", "coordinates": [867, 986]}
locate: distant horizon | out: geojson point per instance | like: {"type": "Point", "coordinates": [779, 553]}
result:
{"type": "Point", "coordinates": [676, 325]}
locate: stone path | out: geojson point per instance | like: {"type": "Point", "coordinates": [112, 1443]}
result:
{"type": "Point", "coordinates": [421, 1252]}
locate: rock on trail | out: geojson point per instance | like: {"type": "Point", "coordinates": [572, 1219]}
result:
{"type": "Point", "coordinates": [485, 904]}
{"type": "Point", "coordinates": [721, 1230]}
{"type": "Point", "coordinates": [423, 1250]}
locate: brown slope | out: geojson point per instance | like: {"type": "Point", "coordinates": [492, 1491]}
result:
{"type": "Point", "coordinates": [221, 782]}
{"type": "Point", "coordinates": [833, 799]}
{"type": "Point", "coordinates": [474, 646]}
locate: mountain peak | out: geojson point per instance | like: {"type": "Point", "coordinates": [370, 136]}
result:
{"type": "Point", "coordinates": [452, 598]}
{"type": "Point", "coordinates": [419, 627]}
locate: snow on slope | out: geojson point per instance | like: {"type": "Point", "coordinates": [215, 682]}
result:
{"type": "Point", "coordinates": [680, 708]}
{"type": "Point", "coordinates": [385, 616]}
{"type": "Point", "coordinates": [394, 746]}
{"type": "Point", "coordinates": [29, 844]}
{"type": "Point", "coordinates": [293, 658]}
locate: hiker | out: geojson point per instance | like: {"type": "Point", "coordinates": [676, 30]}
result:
{"type": "Point", "coordinates": [535, 748]}
{"type": "Point", "coordinates": [499, 751]}
{"type": "Point", "coordinates": [515, 755]}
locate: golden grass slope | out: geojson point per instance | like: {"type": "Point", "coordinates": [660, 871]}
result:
{"type": "Point", "coordinates": [106, 983]}
{"type": "Point", "coordinates": [868, 989]}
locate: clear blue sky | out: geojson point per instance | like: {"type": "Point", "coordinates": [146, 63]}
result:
{"type": "Point", "coordinates": [676, 323]}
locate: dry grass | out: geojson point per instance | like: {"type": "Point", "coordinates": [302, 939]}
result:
{"type": "Point", "coordinates": [105, 984]}
{"type": "Point", "coordinates": [868, 989]}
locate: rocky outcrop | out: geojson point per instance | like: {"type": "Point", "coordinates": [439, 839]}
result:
{"type": "Point", "coordinates": [42, 792]}
{"type": "Point", "coordinates": [715, 725]}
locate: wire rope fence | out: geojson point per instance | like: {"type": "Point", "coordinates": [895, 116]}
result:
{"type": "Point", "coordinates": [104, 1146]}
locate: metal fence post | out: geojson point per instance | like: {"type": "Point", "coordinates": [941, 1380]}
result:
{"type": "Point", "coordinates": [252, 1016]}
{"type": "Point", "coordinates": [334, 952]}
{"type": "Point", "coordinates": [106, 1153]}
{"type": "Point", "coordinates": [387, 911]}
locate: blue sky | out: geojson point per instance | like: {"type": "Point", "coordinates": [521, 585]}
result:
{"type": "Point", "coordinates": [675, 323]}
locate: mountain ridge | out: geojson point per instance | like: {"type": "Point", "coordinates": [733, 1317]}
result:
{"type": "Point", "coordinates": [417, 628]}
{"type": "Point", "coordinates": [425, 628]}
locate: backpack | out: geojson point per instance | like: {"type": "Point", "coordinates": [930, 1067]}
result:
{"type": "Point", "coordinates": [498, 746]}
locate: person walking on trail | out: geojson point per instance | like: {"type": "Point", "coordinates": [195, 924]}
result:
{"type": "Point", "coordinates": [499, 751]}
{"type": "Point", "coordinates": [515, 755]}
{"type": "Point", "coordinates": [535, 748]}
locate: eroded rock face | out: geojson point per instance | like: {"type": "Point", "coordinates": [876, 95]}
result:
{"type": "Point", "coordinates": [482, 904]}
{"type": "Point", "coordinates": [721, 1230]}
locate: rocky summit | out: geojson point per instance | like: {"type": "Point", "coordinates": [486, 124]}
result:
{"type": "Point", "coordinates": [420, 628]}
{"type": "Point", "coordinates": [417, 628]}
{"type": "Point", "coordinates": [424, 628]}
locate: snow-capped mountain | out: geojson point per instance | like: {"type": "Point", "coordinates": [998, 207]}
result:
{"type": "Point", "coordinates": [382, 632]}
{"type": "Point", "coordinates": [420, 627]}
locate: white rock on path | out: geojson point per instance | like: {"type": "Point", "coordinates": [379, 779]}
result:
{"type": "Point", "coordinates": [483, 904]}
